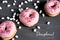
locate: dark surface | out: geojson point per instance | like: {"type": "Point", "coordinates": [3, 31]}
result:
{"type": "Point", "coordinates": [26, 33]}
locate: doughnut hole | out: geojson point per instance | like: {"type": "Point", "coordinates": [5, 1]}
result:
{"type": "Point", "coordinates": [32, 15]}
{"type": "Point", "coordinates": [53, 5]}
{"type": "Point", "coordinates": [5, 28]}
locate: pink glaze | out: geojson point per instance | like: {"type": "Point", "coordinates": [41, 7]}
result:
{"type": "Point", "coordinates": [29, 17]}
{"type": "Point", "coordinates": [52, 6]}
{"type": "Point", "coordinates": [11, 28]}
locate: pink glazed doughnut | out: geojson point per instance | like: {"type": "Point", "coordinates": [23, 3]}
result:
{"type": "Point", "coordinates": [52, 8]}
{"type": "Point", "coordinates": [29, 17]}
{"type": "Point", "coordinates": [7, 30]}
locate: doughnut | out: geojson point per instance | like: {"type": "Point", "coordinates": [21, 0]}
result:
{"type": "Point", "coordinates": [7, 30]}
{"type": "Point", "coordinates": [29, 17]}
{"type": "Point", "coordinates": [52, 8]}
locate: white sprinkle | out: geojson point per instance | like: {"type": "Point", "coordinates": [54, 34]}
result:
{"type": "Point", "coordinates": [35, 4]}
{"type": "Point", "coordinates": [19, 5]}
{"type": "Point", "coordinates": [16, 36]}
{"type": "Point", "coordinates": [19, 27]}
{"type": "Point", "coordinates": [14, 4]}
{"type": "Point", "coordinates": [11, 18]}
{"type": "Point", "coordinates": [0, 8]}
{"type": "Point", "coordinates": [36, 7]}
{"type": "Point", "coordinates": [43, 15]}
{"type": "Point", "coordinates": [15, 1]}
{"type": "Point", "coordinates": [13, 39]}
{"type": "Point", "coordinates": [48, 22]}
{"type": "Point", "coordinates": [35, 30]}
{"type": "Point", "coordinates": [40, 11]}
{"type": "Point", "coordinates": [29, 0]}
{"type": "Point", "coordinates": [26, 2]}
{"type": "Point", "coordinates": [12, 10]}
{"type": "Point", "coordinates": [8, 5]}
{"type": "Point", "coordinates": [38, 1]}
{"type": "Point", "coordinates": [2, 18]}
{"type": "Point", "coordinates": [27, 7]}
{"type": "Point", "coordinates": [4, 1]}
{"type": "Point", "coordinates": [20, 9]}
{"type": "Point", "coordinates": [8, 17]}
{"type": "Point", "coordinates": [15, 13]}
{"type": "Point", "coordinates": [38, 27]}
{"type": "Point", "coordinates": [22, 3]}
{"type": "Point", "coordinates": [18, 22]}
